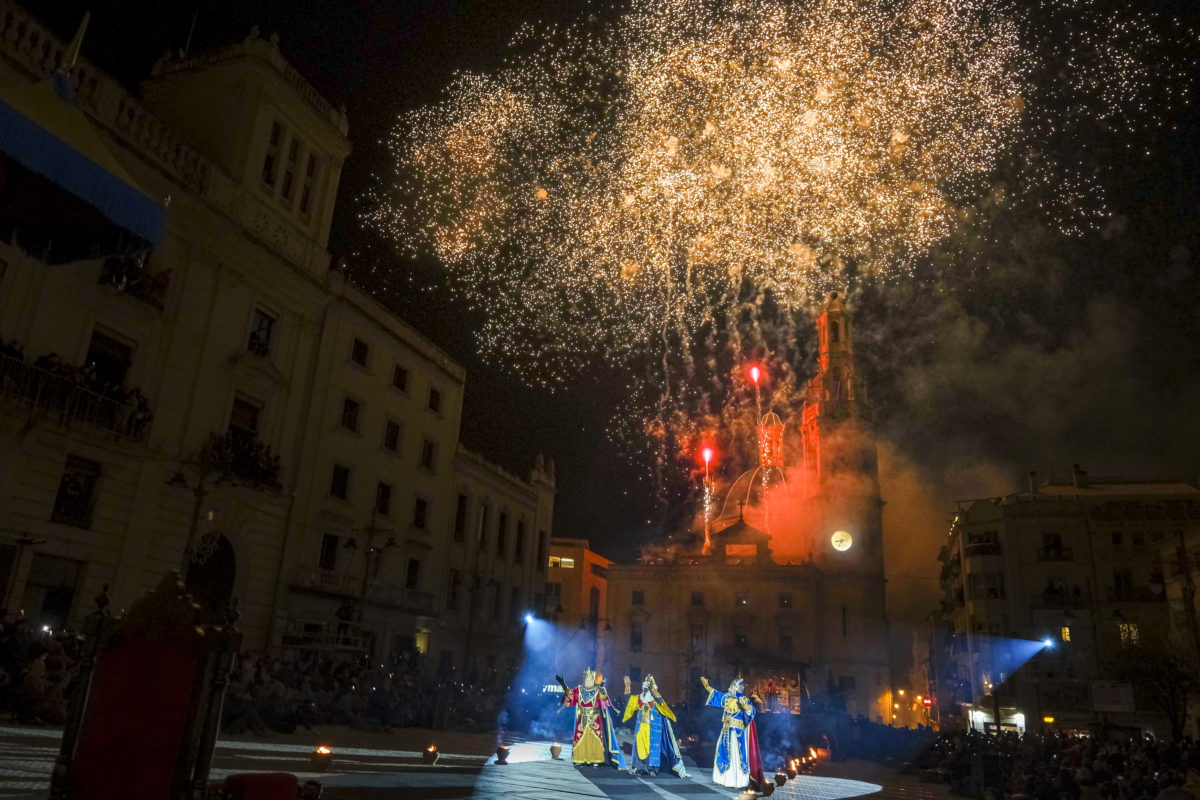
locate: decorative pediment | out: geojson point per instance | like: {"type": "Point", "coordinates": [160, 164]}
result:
{"type": "Point", "coordinates": [261, 367]}
{"type": "Point", "coordinates": [639, 614]}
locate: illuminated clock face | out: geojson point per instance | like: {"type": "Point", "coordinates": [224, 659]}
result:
{"type": "Point", "coordinates": [841, 540]}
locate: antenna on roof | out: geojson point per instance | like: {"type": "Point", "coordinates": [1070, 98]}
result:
{"type": "Point", "coordinates": [73, 51]}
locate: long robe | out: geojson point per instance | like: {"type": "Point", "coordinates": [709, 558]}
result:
{"type": "Point", "coordinates": [595, 739]}
{"type": "Point", "coordinates": [654, 737]}
{"type": "Point", "coordinates": [737, 759]}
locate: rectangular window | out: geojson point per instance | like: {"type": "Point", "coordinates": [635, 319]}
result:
{"type": "Point", "coordinates": [460, 518]}
{"type": "Point", "coordinates": [1139, 539]}
{"type": "Point", "coordinates": [329, 551]}
{"type": "Point", "coordinates": [428, 454]}
{"type": "Point", "coordinates": [785, 600]}
{"type": "Point", "coordinates": [635, 637]}
{"type": "Point", "coordinates": [481, 540]}
{"type": "Point", "coordinates": [541, 553]}
{"type": "Point", "coordinates": [514, 603]}
{"type": "Point", "coordinates": [698, 599]}
{"type": "Point", "coordinates": [339, 484]}
{"type": "Point", "coordinates": [244, 417]}
{"type": "Point", "coordinates": [360, 352]}
{"type": "Point", "coordinates": [435, 400]}
{"type": "Point", "coordinates": [452, 589]}
{"type": "Point", "coordinates": [639, 597]}
{"type": "Point", "coordinates": [310, 176]}
{"type": "Point", "coordinates": [741, 600]}
{"type": "Point", "coordinates": [553, 596]}
{"type": "Point", "coordinates": [400, 378]}
{"type": "Point", "coordinates": [262, 325]}
{"type": "Point", "coordinates": [350, 408]}
{"type": "Point", "coordinates": [1122, 584]}
{"type": "Point", "coordinates": [562, 563]}
{"type": "Point", "coordinates": [289, 169]}
{"type": "Point", "coordinates": [412, 577]}
{"type": "Point", "coordinates": [391, 436]}
{"type": "Point", "coordinates": [785, 645]}
{"type": "Point", "coordinates": [74, 501]}
{"type": "Point", "coordinates": [1130, 635]}
{"type": "Point", "coordinates": [519, 545]}
{"type": "Point", "coordinates": [270, 161]}
{"type": "Point", "coordinates": [697, 638]}
{"type": "Point", "coordinates": [383, 498]}
{"type": "Point", "coordinates": [1118, 538]}
{"type": "Point", "coordinates": [108, 360]}
{"type": "Point", "coordinates": [635, 674]}
{"type": "Point", "coordinates": [421, 513]}
{"type": "Point", "coordinates": [741, 639]}
{"type": "Point", "coordinates": [502, 535]}
{"type": "Point", "coordinates": [1065, 633]}
{"type": "Point", "coordinates": [496, 600]}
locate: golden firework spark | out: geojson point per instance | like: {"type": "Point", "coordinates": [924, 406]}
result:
{"type": "Point", "coordinates": [622, 185]}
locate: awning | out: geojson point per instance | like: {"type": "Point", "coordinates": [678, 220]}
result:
{"type": "Point", "coordinates": [50, 145]}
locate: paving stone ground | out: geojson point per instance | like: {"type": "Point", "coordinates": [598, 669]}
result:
{"type": "Point", "coordinates": [373, 766]}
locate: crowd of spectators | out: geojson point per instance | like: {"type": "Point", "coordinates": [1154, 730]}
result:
{"type": "Point", "coordinates": [270, 694]}
{"type": "Point", "coordinates": [76, 392]}
{"type": "Point", "coordinates": [1116, 766]}
{"type": "Point", "coordinates": [37, 669]}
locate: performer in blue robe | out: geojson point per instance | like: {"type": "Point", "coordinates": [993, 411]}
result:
{"type": "Point", "coordinates": [654, 738]}
{"type": "Point", "coordinates": [737, 761]}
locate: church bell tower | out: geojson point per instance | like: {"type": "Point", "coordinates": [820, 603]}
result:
{"type": "Point", "coordinates": [841, 474]}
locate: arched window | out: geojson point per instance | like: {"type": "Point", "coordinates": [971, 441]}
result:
{"type": "Point", "coordinates": [834, 332]}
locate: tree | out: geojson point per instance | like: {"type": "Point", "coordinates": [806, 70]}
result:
{"type": "Point", "coordinates": [1162, 678]}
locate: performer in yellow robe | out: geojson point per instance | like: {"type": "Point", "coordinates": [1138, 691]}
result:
{"type": "Point", "coordinates": [654, 738]}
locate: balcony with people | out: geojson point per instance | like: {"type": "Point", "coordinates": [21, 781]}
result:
{"type": "Point", "coordinates": [129, 275]}
{"type": "Point", "coordinates": [93, 394]}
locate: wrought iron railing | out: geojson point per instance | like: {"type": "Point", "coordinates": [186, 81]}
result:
{"type": "Point", "coordinates": [65, 398]}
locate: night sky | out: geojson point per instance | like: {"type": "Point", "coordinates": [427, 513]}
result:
{"type": "Point", "coordinates": [1054, 351]}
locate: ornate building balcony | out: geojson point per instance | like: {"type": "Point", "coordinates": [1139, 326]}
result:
{"type": "Point", "coordinates": [1056, 554]}
{"type": "Point", "coordinates": [62, 393]}
{"type": "Point", "coordinates": [1135, 594]}
{"type": "Point", "coordinates": [128, 276]}
{"type": "Point", "coordinates": [235, 456]}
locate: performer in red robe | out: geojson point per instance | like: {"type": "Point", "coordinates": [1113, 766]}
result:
{"type": "Point", "coordinates": [595, 739]}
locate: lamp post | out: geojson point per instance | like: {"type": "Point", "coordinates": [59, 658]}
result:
{"type": "Point", "coordinates": [372, 554]}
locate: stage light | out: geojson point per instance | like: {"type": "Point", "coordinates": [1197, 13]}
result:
{"type": "Point", "coordinates": [707, 453]}
{"type": "Point", "coordinates": [1048, 720]}
{"type": "Point", "coordinates": [1048, 643]}
{"type": "Point", "coordinates": [528, 617]}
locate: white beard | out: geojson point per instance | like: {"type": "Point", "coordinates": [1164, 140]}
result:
{"type": "Point", "coordinates": [646, 696]}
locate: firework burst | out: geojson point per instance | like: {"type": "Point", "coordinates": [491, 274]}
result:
{"type": "Point", "coordinates": [671, 189]}
{"type": "Point", "coordinates": [616, 187]}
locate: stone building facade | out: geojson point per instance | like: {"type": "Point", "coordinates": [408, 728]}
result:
{"type": "Point", "coordinates": [1046, 590]}
{"type": "Point", "coordinates": [293, 443]}
{"type": "Point", "coordinates": [790, 589]}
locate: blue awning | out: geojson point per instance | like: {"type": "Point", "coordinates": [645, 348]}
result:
{"type": "Point", "coordinates": [43, 131]}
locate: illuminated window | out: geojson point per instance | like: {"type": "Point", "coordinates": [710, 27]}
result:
{"type": "Point", "coordinates": [1066, 633]}
{"type": "Point", "coordinates": [1130, 635]}
{"type": "Point", "coordinates": [562, 563]}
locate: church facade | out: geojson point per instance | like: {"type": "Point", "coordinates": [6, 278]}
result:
{"type": "Point", "coordinates": [789, 589]}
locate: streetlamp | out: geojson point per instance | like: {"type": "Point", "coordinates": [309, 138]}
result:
{"type": "Point", "coordinates": [371, 560]}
